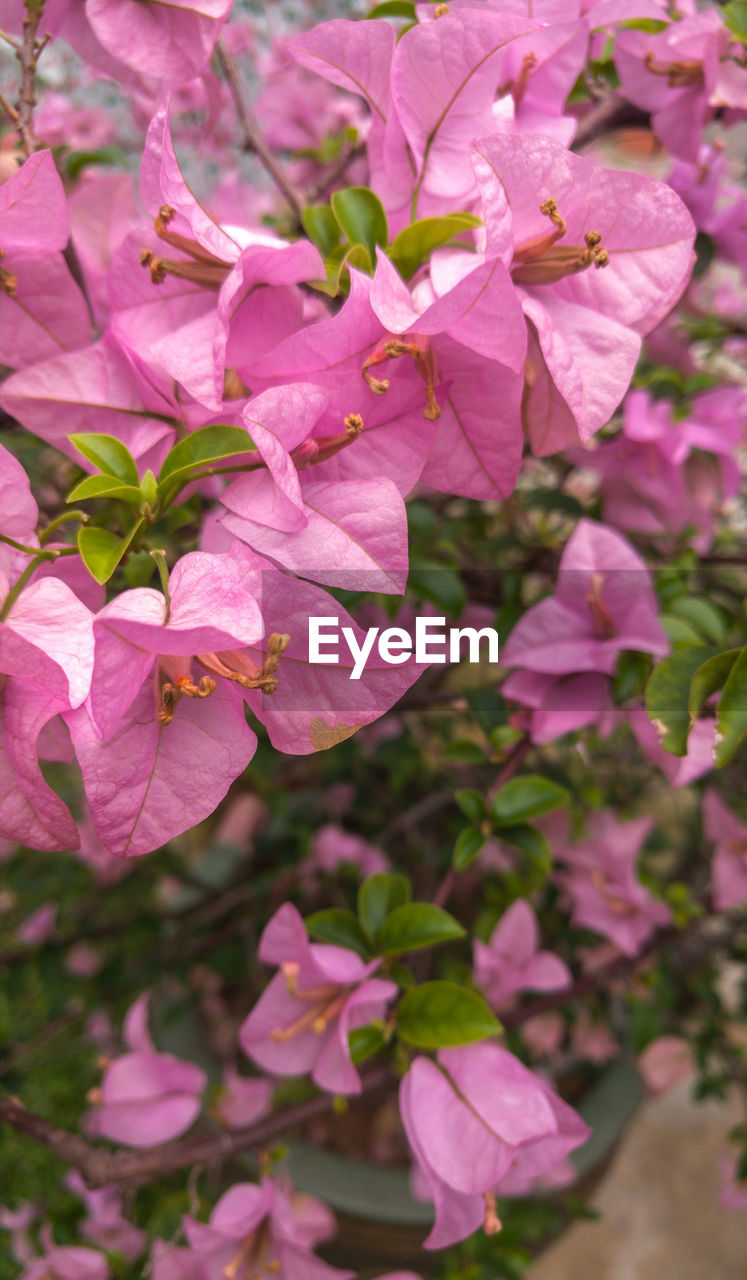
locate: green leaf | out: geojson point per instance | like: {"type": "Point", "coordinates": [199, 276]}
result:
{"type": "Point", "coordinates": [735, 17]}
{"type": "Point", "coordinates": [709, 676]}
{"type": "Point", "coordinates": [339, 927]}
{"type": "Point", "coordinates": [364, 1042]}
{"type": "Point", "coordinates": [321, 226]}
{"type": "Point", "coordinates": [464, 751]}
{"type": "Point", "coordinates": [393, 9]}
{"type": "Point", "coordinates": [731, 713]}
{"type": "Point", "coordinates": [532, 843]}
{"type": "Point", "coordinates": [415, 244]}
{"type": "Point", "coordinates": [149, 488]}
{"type": "Point", "coordinates": [472, 804]}
{"type": "Point", "coordinates": [468, 844]}
{"type": "Point", "coordinates": [77, 161]}
{"type": "Point", "coordinates": [679, 633]}
{"type": "Point", "coordinates": [203, 448]}
{"type": "Point", "coordinates": [102, 551]}
{"type": "Point", "coordinates": [377, 896]}
{"type": "Point", "coordinates": [527, 797]}
{"type": "Point", "coordinates": [703, 616]}
{"type": "Point", "coordinates": [554, 500]}
{"type": "Point", "coordinates": [440, 1015]}
{"type": "Point", "coordinates": [415, 925]}
{"type": "Point", "coordinates": [105, 486]}
{"type": "Point", "coordinates": [108, 454]}
{"type": "Point", "coordinates": [630, 676]}
{"type": "Point", "coordinates": [667, 696]}
{"type": "Point", "coordinates": [441, 586]}
{"type": "Point", "coordinates": [361, 217]}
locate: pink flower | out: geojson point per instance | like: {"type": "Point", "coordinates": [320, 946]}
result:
{"type": "Point", "coordinates": [593, 1040]}
{"type": "Point", "coordinates": [82, 961]}
{"type": "Point", "coordinates": [66, 1262]}
{"type": "Point", "coordinates": [602, 885]}
{"type": "Point", "coordinates": [543, 1034]}
{"type": "Point", "coordinates": [733, 1192]}
{"type": "Point", "coordinates": [104, 1223]}
{"type": "Point", "coordinates": [331, 847]}
{"type": "Point", "coordinates": [243, 1099]}
{"type": "Point", "coordinates": [664, 1062]}
{"type": "Point", "coordinates": [473, 1118]}
{"type": "Point", "coordinates": [39, 926]}
{"type": "Point", "coordinates": [17, 1222]}
{"type": "Point", "coordinates": [729, 865]}
{"type": "Point", "coordinates": [598, 257]}
{"type": "Point", "coordinates": [680, 770]}
{"type": "Point", "coordinates": [253, 1231]}
{"type": "Point", "coordinates": [512, 962]}
{"type": "Point", "coordinates": [43, 311]}
{"type": "Point", "coordinates": [682, 75]}
{"type": "Point", "coordinates": [302, 1021]}
{"type": "Point", "coordinates": [146, 1097]}
{"type": "Point", "coordinates": [604, 603]}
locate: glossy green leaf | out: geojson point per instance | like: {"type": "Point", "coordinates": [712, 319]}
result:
{"type": "Point", "coordinates": [668, 692]}
{"type": "Point", "coordinates": [702, 615]}
{"type": "Point", "coordinates": [709, 676]}
{"type": "Point", "coordinates": [415, 925]}
{"type": "Point", "coordinates": [108, 454]}
{"type": "Point", "coordinates": [472, 804]}
{"type": "Point", "coordinates": [532, 843]}
{"type": "Point", "coordinates": [468, 844]}
{"type": "Point", "coordinates": [102, 551]}
{"type": "Point", "coordinates": [440, 1015]}
{"type": "Point", "coordinates": [105, 486]}
{"type": "Point", "coordinates": [393, 9]}
{"type": "Point", "coordinates": [378, 895]}
{"type": "Point", "coordinates": [528, 797]}
{"type": "Point", "coordinates": [364, 1042]}
{"type": "Point", "coordinates": [149, 488]}
{"type": "Point", "coordinates": [415, 244]}
{"type": "Point", "coordinates": [680, 633]}
{"type": "Point", "coordinates": [340, 928]}
{"type": "Point", "coordinates": [731, 713]}
{"type": "Point", "coordinates": [735, 17]}
{"type": "Point", "coordinates": [203, 448]}
{"type": "Point", "coordinates": [362, 219]}
{"type": "Point", "coordinates": [321, 226]}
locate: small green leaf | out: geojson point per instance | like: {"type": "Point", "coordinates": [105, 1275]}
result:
{"type": "Point", "coordinates": [527, 797]}
{"type": "Point", "coordinates": [463, 751]}
{"type": "Point", "coordinates": [102, 551]}
{"type": "Point", "coordinates": [340, 928]}
{"type": "Point", "coordinates": [415, 925]}
{"type": "Point", "coordinates": [472, 804]}
{"type": "Point", "coordinates": [105, 486]}
{"type": "Point", "coordinates": [321, 226]}
{"type": "Point", "coordinates": [469, 842]}
{"type": "Point", "coordinates": [679, 633]}
{"type": "Point", "coordinates": [377, 896]}
{"type": "Point", "coordinates": [77, 161]}
{"type": "Point", "coordinates": [668, 692]}
{"type": "Point", "coordinates": [362, 219]}
{"type": "Point", "coordinates": [709, 676]}
{"type": "Point", "coordinates": [203, 448]}
{"type": "Point", "coordinates": [702, 615]}
{"type": "Point", "coordinates": [735, 17]}
{"type": "Point", "coordinates": [440, 1015]}
{"type": "Point", "coordinates": [533, 845]}
{"type": "Point", "coordinates": [108, 454]}
{"type": "Point", "coordinates": [364, 1042]}
{"type": "Point", "coordinates": [630, 676]}
{"type": "Point", "coordinates": [393, 9]}
{"type": "Point", "coordinates": [442, 587]}
{"type": "Point", "coordinates": [731, 712]}
{"type": "Point", "coordinates": [149, 488]}
{"type": "Point", "coordinates": [415, 244]}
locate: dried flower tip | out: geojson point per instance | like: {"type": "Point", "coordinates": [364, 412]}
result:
{"type": "Point", "coordinates": [353, 425]}
{"type": "Point", "coordinates": [441, 11]}
{"type": "Point", "coordinates": [492, 1223]}
{"type": "Point", "coordinates": [549, 208]}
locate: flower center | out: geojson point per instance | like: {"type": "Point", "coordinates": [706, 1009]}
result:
{"type": "Point", "coordinates": [679, 74]}
{"type": "Point", "coordinates": [541, 260]}
{"type": "Point", "coordinates": [420, 351]}
{"type": "Point", "coordinates": [617, 905]}
{"type": "Point", "coordinates": [203, 269]}
{"type": "Point", "coordinates": [326, 1000]}
{"type": "Point", "coordinates": [229, 665]}
{"type": "Point", "coordinates": [604, 627]}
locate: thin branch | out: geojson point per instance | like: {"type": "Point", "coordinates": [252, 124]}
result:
{"type": "Point", "coordinates": [612, 113]}
{"type": "Point", "coordinates": [102, 1168]}
{"type": "Point", "coordinates": [253, 140]}
{"type": "Point", "coordinates": [28, 52]}
{"type": "Point", "coordinates": [336, 171]}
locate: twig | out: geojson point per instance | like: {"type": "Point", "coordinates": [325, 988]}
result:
{"type": "Point", "coordinates": [28, 53]}
{"type": "Point", "coordinates": [337, 171]}
{"type": "Point", "coordinates": [612, 113]}
{"type": "Point", "coordinates": [253, 140]}
{"type": "Point", "coordinates": [102, 1168]}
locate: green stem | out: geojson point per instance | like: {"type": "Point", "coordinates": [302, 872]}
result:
{"type": "Point", "coordinates": [19, 546]}
{"type": "Point", "coordinates": [205, 475]}
{"type": "Point", "coordinates": [163, 573]}
{"type": "Point", "coordinates": [45, 534]}
{"type": "Point", "coordinates": [39, 558]}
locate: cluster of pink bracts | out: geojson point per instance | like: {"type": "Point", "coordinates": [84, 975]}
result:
{"type": "Point", "coordinates": [526, 328]}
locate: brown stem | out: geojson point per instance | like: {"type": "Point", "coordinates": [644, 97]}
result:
{"type": "Point", "coordinates": [608, 115]}
{"type": "Point", "coordinates": [27, 53]}
{"type": "Point", "coordinates": [102, 1168]}
{"type": "Point", "coordinates": [253, 140]}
